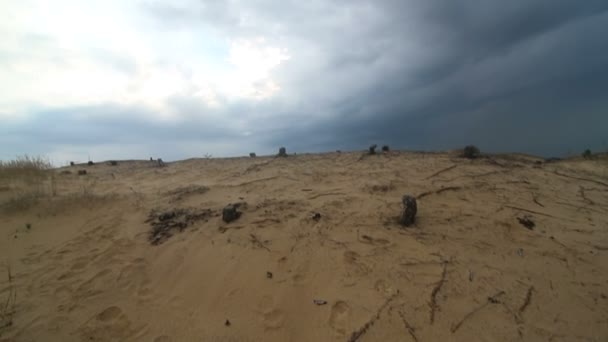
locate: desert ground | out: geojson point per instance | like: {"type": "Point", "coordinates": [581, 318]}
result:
{"type": "Point", "coordinates": [504, 248]}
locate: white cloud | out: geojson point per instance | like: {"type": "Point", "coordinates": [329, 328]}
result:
{"type": "Point", "coordinates": [72, 53]}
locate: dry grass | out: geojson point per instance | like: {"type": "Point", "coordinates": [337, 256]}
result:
{"type": "Point", "coordinates": [8, 304]}
{"type": "Point", "coordinates": [24, 181]}
{"type": "Point", "coordinates": [25, 168]}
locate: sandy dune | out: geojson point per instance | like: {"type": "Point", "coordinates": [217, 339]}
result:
{"type": "Point", "coordinates": [85, 270]}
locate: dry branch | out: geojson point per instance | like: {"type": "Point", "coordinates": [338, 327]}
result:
{"type": "Point", "coordinates": [530, 211]}
{"type": "Point", "coordinates": [535, 198]}
{"type": "Point", "coordinates": [359, 332]}
{"type": "Point", "coordinates": [449, 188]}
{"type": "Point", "coordinates": [256, 241]}
{"type": "Point", "coordinates": [527, 301]}
{"type": "Point", "coordinates": [441, 171]}
{"type": "Point", "coordinates": [491, 300]}
{"type": "Point", "coordinates": [433, 304]}
{"type": "Point", "coordinates": [580, 178]}
{"type": "Point", "coordinates": [409, 327]}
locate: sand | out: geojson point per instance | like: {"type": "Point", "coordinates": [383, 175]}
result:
{"type": "Point", "coordinates": [468, 270]}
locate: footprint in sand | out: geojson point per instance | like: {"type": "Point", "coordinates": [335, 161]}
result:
{"type": "Point", "coordinates": [339, 317]}
{"type": "Point", "coordinates": [272, 318]}
{"type": "Point", "coordinates": [109, 313]}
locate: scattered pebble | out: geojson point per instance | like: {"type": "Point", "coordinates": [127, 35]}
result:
{"type": "Point", "coordinates": [319, 301]}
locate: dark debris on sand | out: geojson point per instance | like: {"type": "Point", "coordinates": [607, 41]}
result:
{"type": "Point", "coordinates": [165, 223]}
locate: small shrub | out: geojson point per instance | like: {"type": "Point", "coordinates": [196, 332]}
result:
{"type": "Point", "coordinates": [471, 152]}
{"type": "Point", "coordinates": [372, 149]}
{"type": "Point", "coordinates": [385, 148]}
{"type": "Point", "coordinates": [82, 172]}
{"type": "Point", "coordinates": [72, 163]}
{"type": "Point", "coordinates": [113, 162]}
{"type": "Point", "coordinates": [90, 163]}
{"type": "Point", "coordinates": [252, 155]}
{"type": "Point", "coordinates": [587, 154]}
{"type": "Point", "coordinates": [282, 152]}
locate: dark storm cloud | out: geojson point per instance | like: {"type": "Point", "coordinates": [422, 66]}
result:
{"type": "Point", "coordinates": [518, 75]}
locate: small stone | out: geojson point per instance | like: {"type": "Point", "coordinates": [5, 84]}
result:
{"type": "Point", "coordinates": [269, 275]}
{"type": "Point", "coordinates": [410, 208]}
{"type": "Point", "coordinates": [316, 216]}
{"type": "Point", "coordinates": [319, 301]}
{"type": "Point", "coordinates": [82, 172]}
{"type": "Point", "coordinates": [227, 323]}
{"type": "Point", "coordinates": [229, 213]}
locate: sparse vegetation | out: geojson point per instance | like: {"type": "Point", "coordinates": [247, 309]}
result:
{"type": "Point", "coordinates": [587, 154]}
{"type": "Point", "coordinates": [471, 152]}
{"type": "Point", "coordinates": [26, 178]}
{"type": "Point", "coordinates": [24, 168]}
{"type": "Point", "coordinates": [90, 163]}
{"type": "Point", "coordinates": [385, 148]}
{"type": "Point", "coordinates": [7, 308]}
{"type": "Point", "coordinates": [372, 149]}
{"type": "Point", "coordinates": [252, 155]}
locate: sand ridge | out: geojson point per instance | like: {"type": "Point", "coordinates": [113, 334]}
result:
{"type": "Point", "coordinates": [467, 270]}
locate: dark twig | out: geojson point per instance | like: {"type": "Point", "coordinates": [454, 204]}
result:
{"type": "Point", "coordinates": [408, 326]}
{"type": "Point", "coordinates": [530, 211]}
{"type": "Point", "coordinates": [359, 332]}
{"type": "Point", "coordinates": [433, 304]}
{"type": "Point", "coordinates": [535, 198]}
{"type": "Point", "coordinates": [256, 241]}
{"type": "Point", "coordinates": [580, 178]}
{"type": "Point", "coordinates": [448, 188]}
{"type": "Point", "coordinates": [582, 192]}
{"type": "Point", "coordinates": [441, 171]}
{"type": "Point", "coordinates": [527, 301]}
{"type": "Point", "coordinates": [491, 300]}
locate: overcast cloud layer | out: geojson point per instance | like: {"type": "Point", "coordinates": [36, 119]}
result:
{"type": "Point", "coordinates": [180, 79]}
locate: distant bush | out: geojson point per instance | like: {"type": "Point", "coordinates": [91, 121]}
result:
{"type": "Point", "coordinates": [587, 154]}
{"type": "Point", "coordinates": [282, 152]}
{"type": "Point", "coordinates": [385, 148]}
{"type": "Point", "coordinates": [471, 152]}
{"type": "Point", "coordinates": [252, 155]}
{"type": "Point", "coordinates": [372, 149]}
{"type": "Point", "coordinates": [90, 163]}
{"type": "Point", "coordinates": [113, 162]}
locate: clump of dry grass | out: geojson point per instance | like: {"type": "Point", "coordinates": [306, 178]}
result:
{"type": "Point", "coordinates": [25, 180]}
{"type": "Point", "coordinates": [25, 168]}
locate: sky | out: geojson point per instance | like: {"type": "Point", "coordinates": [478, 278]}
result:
{"type": "Point", "coordinates": [117, 79]}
